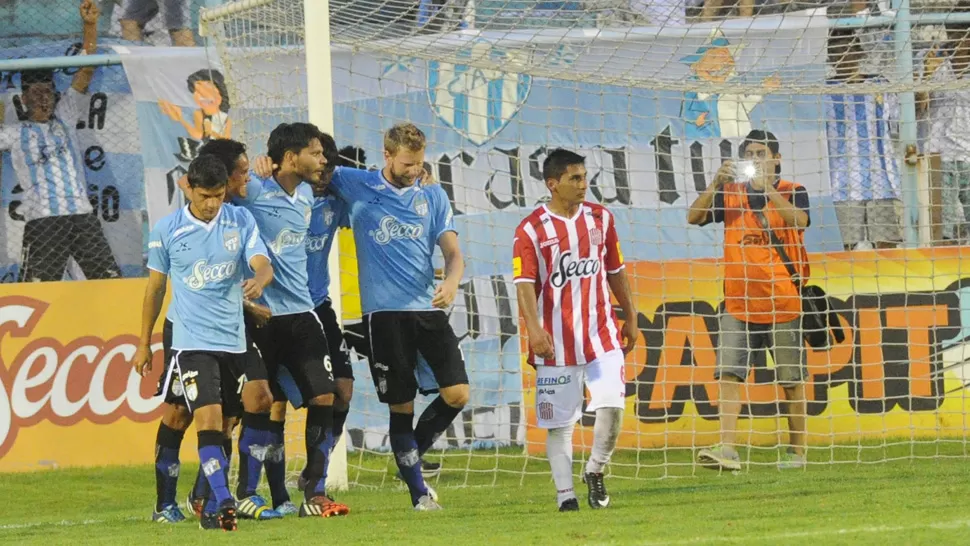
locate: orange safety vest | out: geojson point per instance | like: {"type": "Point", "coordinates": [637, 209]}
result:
{"type": "Point", "coordinates": [757, 286]}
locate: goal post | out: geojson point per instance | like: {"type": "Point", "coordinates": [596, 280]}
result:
{"type": "Point", "coordinates": [656, 102]}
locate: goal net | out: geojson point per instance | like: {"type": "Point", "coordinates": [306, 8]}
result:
{"type": "Point", "coordinates": [657, 96]}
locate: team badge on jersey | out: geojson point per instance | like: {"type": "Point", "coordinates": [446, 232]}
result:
{"type": "Point", "coordinates": [328, 217]}
{"type": "Point", "coordinates": [421, 205]}
{"type": "Point", "coordinates": [307, 212]}
{"type": "Point", "coordinates": [231, 240]}
{"type": "Point", "coordinates": [595, 237]}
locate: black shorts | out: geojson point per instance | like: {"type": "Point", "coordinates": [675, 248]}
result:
{"type": "Point", "coordinates": [298, 343]}
{"type": "Point", "coordinates": [339, 353]}
{"type": "Point", "coordinates": [396, 338]}
{"type": "Point", "coordinates": [48, 244]}
{"type": "Point", "coordinates": [252, 363]}
{"type": "Point", "coordinates": [211, 377]}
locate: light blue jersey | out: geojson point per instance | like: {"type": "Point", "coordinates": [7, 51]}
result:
{"type": "Point", "coordinates": [396, 231]}
{"type": "Point", "coordinates": [205, 262]}
{"type": "Point", "coordinates": [329, 214]}
{"type": "Point", "coordinates": [283, 221]}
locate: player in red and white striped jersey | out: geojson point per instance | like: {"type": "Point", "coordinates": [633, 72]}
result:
{"type": "Point", "coordinates": [566, 262]}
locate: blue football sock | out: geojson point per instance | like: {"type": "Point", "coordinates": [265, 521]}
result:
{"type": "Point", "coordinates": [168, 441]}
{"type": "Point", "coordinates": [319, 439]}
{"type": "Point", "coordinates": [405, 449]}
{"type": "Point", "coordinates": [254, 444]}
{"type": "Point", "coordinates": [214, 464]}
{"type": "Point", "coordinates": [276, 465]}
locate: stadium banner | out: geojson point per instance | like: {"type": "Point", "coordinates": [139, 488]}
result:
{"type": "Point", "coordinates": [901, 371]}
{"type": "Point", "coordinates": [68, 396]}
{"type": "Point", "coordinates": [110, 150]}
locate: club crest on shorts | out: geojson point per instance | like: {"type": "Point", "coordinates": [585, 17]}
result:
{"type": "Point", "coordinates": [421, 205]}
{"type": "Point", "coordinates": [189, 385]}
{"type": "Point", "coordinates": [595, 237]}
{"type": "Point", "coordinates": [231, 240]}
{"type": "Point", "coordinates": [478, 102]}
{"type": "Point", "coordinates": [544, 409]}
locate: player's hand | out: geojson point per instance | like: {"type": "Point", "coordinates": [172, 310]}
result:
{"type": "Point", "coordinates": [259, 313]}
{"type": "Point", "coordinates": [90, 12]}
{"type": "Point", "coordinates": [444, 294]}
{"type": "Point", "coordinates": [725, 174]}
{"type": "Point", "coordinates": [142, 361]}
{"type": "Point", "coordinates": [629, 334]}
{"type": "Point", "coordinates": [264, 167]}
{"type": "Point", "coordinates": [541, 344]}
{"type": "Point", "coordinates": [251, 289]}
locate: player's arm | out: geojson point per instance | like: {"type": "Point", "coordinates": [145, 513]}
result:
{"type": "Point", "coordinates": [89, 15]}
{"type": "Point", "coordinates": [454, 270]}
{"type": "Point", "coordinates": [150, 309]}
{"type": "Point", "coordinates": [704, 209]}
{"type": "Point", "coordinates": [525, 271]}
{"type": "Point", "coordinates": [259, 313]}
{"type": "Point", "coordinates": [620, 286]}
{"type": "Point", "coordinates": [446, 235]}
{"type": "Point", "coordinates": [258, 258]}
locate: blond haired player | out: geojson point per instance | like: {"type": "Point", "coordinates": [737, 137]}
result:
{"type": "Point", "coordinates": [566, 262]}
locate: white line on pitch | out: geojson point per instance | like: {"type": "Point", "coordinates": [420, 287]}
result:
{"type": "Point", "coordinates": [64, 523]}
{"type": "Point", "coordinates": [875, 529]}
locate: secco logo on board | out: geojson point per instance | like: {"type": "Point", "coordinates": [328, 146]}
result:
{"type": "Point", "coordinates": [87, 379]}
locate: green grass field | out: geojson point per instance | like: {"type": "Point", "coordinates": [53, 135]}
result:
{"type": "Point", "coordinates": [915, 498]}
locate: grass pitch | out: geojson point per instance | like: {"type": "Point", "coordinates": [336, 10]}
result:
{"type": "Point", "coordinates": [908, 500]}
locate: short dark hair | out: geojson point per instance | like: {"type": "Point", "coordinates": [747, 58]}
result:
{"type": "Point", "coordinates": [226, 150]}
{"type": "Point", "coordinates": [217, 79]}
{"type": "Point", "coordinates": [353, 157]}
{"type": "Point", "coordinates": [329, 150]}
{"type": "Point", "coordinates": [31, 77]}
{"type": "Point", "coordinates": [290, 137]}
{"type": "Point", "coordinates": [558, 161]}
{"type": "Point", "coordinates": [760, 136]}
{"type": "Point", "coordinates": [207, 172]}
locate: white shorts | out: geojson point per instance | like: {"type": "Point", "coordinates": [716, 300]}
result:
{"type": "Point", "coordinates": [559, 389]}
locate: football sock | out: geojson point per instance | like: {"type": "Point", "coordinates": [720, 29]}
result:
{"type": "Point", "coordinates": [405, 449]}
{"type": "Point", "coordinates": [605, 432]}
{"type": "Point", "coordinates": [200, 489]}
{"type": "Point", "coordinates": [254, 441]}
{"type": "Point", "coordinates": [276, 465]}
{"type": "Point", "coordinates": [214, 463]}
{"type": "Point", "coordinates": [435, 419]}
{"type": "Point", "coordinates": [319, 439]}
{"type": "Point", "coordinates": [559, 451]}
{"type": "Point", "coordinates": [168, 441]}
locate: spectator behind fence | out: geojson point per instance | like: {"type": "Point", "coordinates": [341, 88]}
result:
{"type": "Point", "coordinates": [136, 14]}
{"type": "Point", "coordinates": [862, 156]}
{"type": "Point", "coordinates": [764, 220]}
{"type": "Point", "coordinates": [48, 165]}
{"type": "Point", "coordinates": [949, 134]}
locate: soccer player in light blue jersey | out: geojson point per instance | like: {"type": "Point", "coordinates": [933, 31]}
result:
{"type": "Point", "coordinates": [397, 223]}
{"type": "Point", "coordinates": [256, 396]}
{"type": "Point", "coordinates": [294, 337]}
{"type": "Point", "coordinates": [204, 248]}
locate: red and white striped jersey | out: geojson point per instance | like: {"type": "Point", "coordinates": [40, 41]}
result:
{"type": "Point", "coordinates": [568, 259]}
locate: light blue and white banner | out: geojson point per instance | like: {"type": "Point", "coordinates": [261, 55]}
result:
{"type": "Point", "coordinates": [110, 149]}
